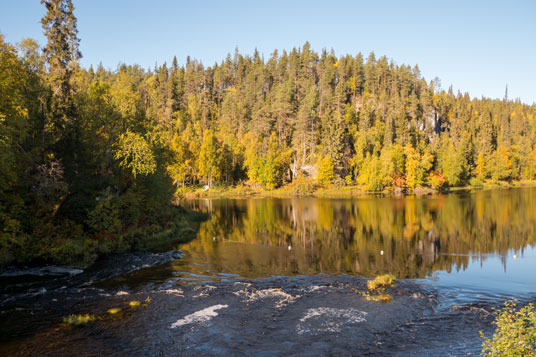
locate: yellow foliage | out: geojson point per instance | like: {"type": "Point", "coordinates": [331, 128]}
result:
{"type": "Point", "coordinates": [377, 287]}
{"type": "Point", "coordinates": [386, 279]}
{"type": "Point", "coordinates": [78, 320]}
{"type": "Point", "coordinates": [134, 303]}
{"type": "Point", "coordinates": [380, 297]}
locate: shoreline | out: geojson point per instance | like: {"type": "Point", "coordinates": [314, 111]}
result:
{"type": "Point", "coordinates": [289, 191]}
{"type": "Point", "coordinates": [182, 226]}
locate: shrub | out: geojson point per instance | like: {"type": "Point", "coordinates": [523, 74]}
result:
{"type": "Point", "coordinates": [105, 216]}
{"type": "Point", "coordinates": [377, 287]}
{"type": "Point", "coordinates": [381, 281]}
{"type": "Point", "coordinates": [303, 186]}
{"type": "Point", "coordinates": [437, 180]}
{"type": "Point", "coordinates": [515, 334]}
{"type": "Point", "coordinates": [475, 182]}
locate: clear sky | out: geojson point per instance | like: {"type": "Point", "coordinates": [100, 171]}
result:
{"type": "Point", "coordinates": [475, 46]}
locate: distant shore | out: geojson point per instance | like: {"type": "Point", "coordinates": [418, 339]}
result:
{"type": "Point", "coordinates": [334, 191]}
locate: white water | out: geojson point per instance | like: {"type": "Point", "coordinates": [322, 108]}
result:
{"type": "Point", "coordinates": [199, 316]}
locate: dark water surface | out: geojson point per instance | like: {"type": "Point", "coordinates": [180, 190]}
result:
{"type": "Point", "coordinates": [284, 276]}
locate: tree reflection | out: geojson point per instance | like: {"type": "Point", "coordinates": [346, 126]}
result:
{"type": "Point", "coordinates": [417, 235]}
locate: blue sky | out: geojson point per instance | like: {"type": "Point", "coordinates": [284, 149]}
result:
{"type": "Point", "coordinates": [475, 46]}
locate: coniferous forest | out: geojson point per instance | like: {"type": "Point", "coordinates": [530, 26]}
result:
{"type": "Point", "coordinates": [91, 158]}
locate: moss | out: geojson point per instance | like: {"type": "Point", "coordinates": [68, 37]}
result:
{"type": "Point", "coordinates": [134, 303]}
{"type": "Point", "coordinates": [79, 320]}
{"type": "Point", "coordinates": [380, 297]}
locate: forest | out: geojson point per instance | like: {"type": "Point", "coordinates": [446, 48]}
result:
{"type": "Point", "coordinates": [91, 158]}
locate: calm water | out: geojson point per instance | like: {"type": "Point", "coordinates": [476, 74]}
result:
{"type": "Point", "coordinates": [486, 235]}
{"type": "Point", "coordinates": [283, 276]}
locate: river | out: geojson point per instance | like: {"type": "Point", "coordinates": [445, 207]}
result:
{"type": "Point", "coordinates": [274, 276]}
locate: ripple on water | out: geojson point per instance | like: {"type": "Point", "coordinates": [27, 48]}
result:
{"type": "Point", "coordinates": [328, 319]}
{"type": "Point", "coordinates": [274, 293]}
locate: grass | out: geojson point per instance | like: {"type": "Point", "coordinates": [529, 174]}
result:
{"type": "Point", "coordinates": [307, 187]}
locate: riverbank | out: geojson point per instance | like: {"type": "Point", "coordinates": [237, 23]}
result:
{"type": "Point", "coordinates": [308, 188]}
{"type": "Point", "coordinates": [70, 246]}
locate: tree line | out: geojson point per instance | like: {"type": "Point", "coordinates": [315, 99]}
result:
{"type": "Point", "coordinates": [339, 120]}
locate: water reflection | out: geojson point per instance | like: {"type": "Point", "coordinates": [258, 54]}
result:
{"type": "Point", "coordinates": [410, 237]}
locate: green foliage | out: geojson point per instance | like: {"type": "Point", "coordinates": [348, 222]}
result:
{"type": "Point", "coordinates": [273, 164]}
{"type": "Point", "coordinates": [209, 156]}
{"type": "Point", "coordinates": [515, 334]}
{"type": "Point", "coordinates": [371, 174]}
{"type": "Point", "coordinates": [63, 198]}
{"type": "Point", "coordinates": [99, 152]}
{"type": "Point", "coordinates": [62, 55]}
{"type": "Point", "coordinates": [105, 218]}
{"type": "Point", "coordinates": [451, 163]}
{"type": "Point", "coordinates": [135, 154]}
{"type": "Point", "coordinates": [303, 186]}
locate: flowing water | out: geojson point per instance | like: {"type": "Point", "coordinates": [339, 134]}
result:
{"type": "Point", "coordinates": [274, 276]}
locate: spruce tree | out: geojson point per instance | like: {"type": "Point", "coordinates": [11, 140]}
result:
{"type": "Point", "coordinates": [62, 55]}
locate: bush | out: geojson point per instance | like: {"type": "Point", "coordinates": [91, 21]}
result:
{"type": "Point", "coordinates": [381, 281]}
{"type": "Point", "coordinates": [515, 334]}
{"type": "Point", "coordinates": [303, 186]}
{"type": "Point", "coordinates": [377, 287]}
{"type": "Point", "coordinates": [475, 182]}
{"type": "Point", "coordinates": [437, 180]}
{"type": "Point", "coordinates": [105, 216]}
